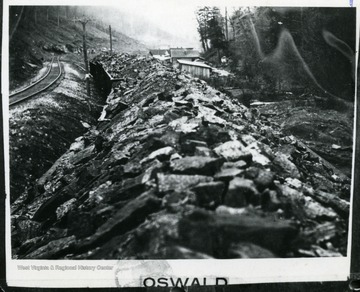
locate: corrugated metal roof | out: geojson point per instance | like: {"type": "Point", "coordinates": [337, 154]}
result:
{"type": "Point", "coordinates": [198, 64]}
{"type": "Point", "coordinates": [184, 53]}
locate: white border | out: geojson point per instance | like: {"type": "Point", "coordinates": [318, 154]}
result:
{"type": "Point", "coordinates": [131, 273]}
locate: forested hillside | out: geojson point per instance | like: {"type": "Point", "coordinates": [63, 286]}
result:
{"type": "Point", "coordinates": [308, 49]}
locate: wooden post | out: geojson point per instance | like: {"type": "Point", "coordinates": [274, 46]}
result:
{"type": "Point", "coordinates": [110, 39]}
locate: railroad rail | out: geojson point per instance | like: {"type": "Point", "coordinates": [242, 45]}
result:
{"type": "Point", "coordinates": [39, 86]}
{"type": "Point", "coordinates": [34, 83]}
{"type": "Point", "coordinates": [80, 67]}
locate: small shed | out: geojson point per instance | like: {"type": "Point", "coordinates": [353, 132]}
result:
{"type": "Point", "coordinates": [197, 69]}
{"type": "Point", "coordinates": [188, 54]}
{"type": "Point", "coordinates": [160, 54]}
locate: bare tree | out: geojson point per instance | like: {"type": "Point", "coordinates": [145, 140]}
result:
{"type": "Point", "coordinates": [17, 22]}
{"type": "Point", "coordinates": [110, 39]}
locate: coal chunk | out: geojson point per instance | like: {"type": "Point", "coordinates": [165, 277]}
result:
{"type": "Point", "coordinates": [241, 192]}
{"type": "Point", "coordinates": [214, 234]}
{"type": "Point", "coordinates": [196, 165]}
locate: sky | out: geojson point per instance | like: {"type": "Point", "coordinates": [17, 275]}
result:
{"type": "Point", "coordinates": [171, 16]}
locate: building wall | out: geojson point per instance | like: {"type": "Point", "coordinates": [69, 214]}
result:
{"type": "Point", "coordinates": [196, 71]}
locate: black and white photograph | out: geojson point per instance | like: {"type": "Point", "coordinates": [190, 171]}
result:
{"type": "Point", "coordinates": [164, 130]}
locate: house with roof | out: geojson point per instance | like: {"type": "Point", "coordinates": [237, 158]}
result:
{"type": "Point", "coordinates": [195, 68]}
{"type": "Point", "coordinates": [160, 54]}
{"type": "Point", "coordinates": [185, 54]}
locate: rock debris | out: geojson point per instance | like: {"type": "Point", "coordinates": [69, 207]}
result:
{"type": "Point", "coordinates": [177, 169]}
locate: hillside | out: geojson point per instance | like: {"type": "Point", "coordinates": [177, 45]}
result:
{"type": "Point", "coordinates": [34, 41]}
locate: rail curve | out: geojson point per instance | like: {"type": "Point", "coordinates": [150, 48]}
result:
{"type": "Point", "coordinates": [39, 86]}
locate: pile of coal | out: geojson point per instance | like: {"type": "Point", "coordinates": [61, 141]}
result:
{"type": "Point", "coordinates": [177, 169]}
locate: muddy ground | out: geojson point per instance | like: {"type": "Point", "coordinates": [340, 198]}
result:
{"type": "Point", "coordinates": [325, 126]}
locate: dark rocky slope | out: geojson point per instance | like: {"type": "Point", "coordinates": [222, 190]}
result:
{"type": "Point", "coordinates": [42, 128]}
{"type": "Point", "coordinates": [176, 169]}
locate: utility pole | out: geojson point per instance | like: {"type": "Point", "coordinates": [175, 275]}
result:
{"type": "Point", "coordinates": [35, 15]}
{"type": "Point", "coordinates": [226, 25]}
{"type": "Point", "coordinates": [58, 16]}
{"type": "Point", "coordinates": [110, 39]}
{"type": "Point", "coordinates": [84, 21]}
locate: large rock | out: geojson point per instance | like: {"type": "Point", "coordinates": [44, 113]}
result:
{"type": "Point", "coordinates": [160, 154]}
{"type": "Point", "coordinates": [83, 155]}
{"type": "Point", "coordinates": [35, 243]}
{"type": "Point", "coordinates": [149, 240]}
{"type": "Point", "coordinates": [180, 252]}
{"type": "Point", "coordinates": [321, 252]}
{"type": "Point", "coordinates": [178, 182]}
{"type": "Point", "coordinates": [270, 201]}
{"type": "Point", "coordinates": [196, 165]}
{"type": "Point", "coordinates": [264, 179]}
{"type": "Point", "coordinates": [47, 209]}
{"type": "Point", "coordinates": [125, 219]}
{"type": "Point", "coordinates": [120, 191]}
{"type": "Point", "coordinates": [203, 151]}
{"type": "Point", "coordinates": [63, 209]}
{"type": "Point", "coordinates": [331, 200]}
{"type": "Point", "coordinates": [247, 250]}
{"type": "Point", "coordinates": [241, 192]}
{"type": "Point", "coordinates": [233, 151]}
{"type": "Point", "coordinates": [80, 224]}
{"type": "Point", "coordinates": [214, 234]}
{"type": "Point", "coordinates": [227, 174]}
{"type": "Point", "coordinates": [285, 166]}
{"type": "Point", "coordinates": [209, 194]}
{"type": "Point", "coordinates": [320, 233]}
{"type": "Point", "coordinates": [241, 164]}
{"type": "Point", "coordinates": [256, 149]}
{"type": "Point", "coordinates": [304, 207]}
{"type": "Point", "coordinates": [27, 229]}
{"type": "Point", "coordinates": [189, 146]}
{"type": "Point", "coordinates": [53, 249]}
{"type": "Point", "coordinates": [222, 209]}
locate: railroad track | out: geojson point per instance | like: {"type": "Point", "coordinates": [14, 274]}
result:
{"type": "Point", "coordinates": [52, 75]}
